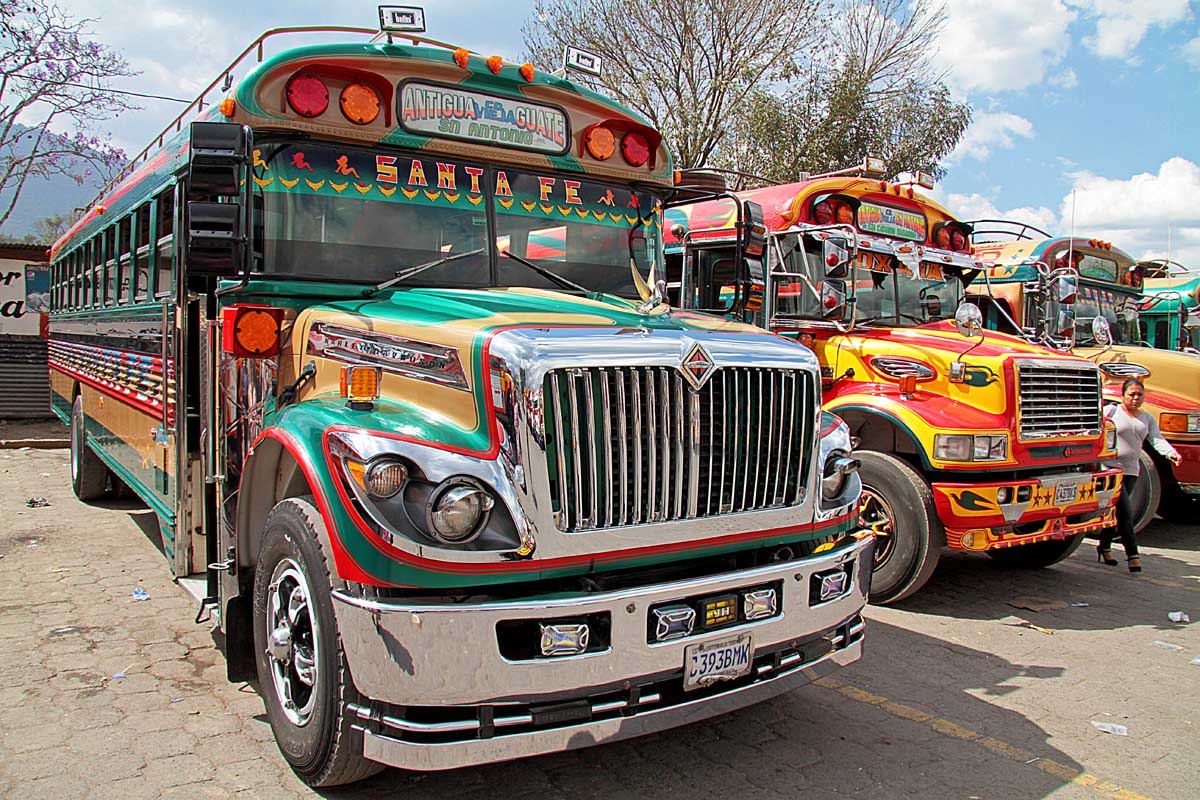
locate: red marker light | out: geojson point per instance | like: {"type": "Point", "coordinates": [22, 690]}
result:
{"type": "Point", "coordinates": [830, 301]}
{"type": "Point", "coordinates": [635, 149]}
{"type": "Point", "coordinates": [831, 260]}
{"type": "Point", "coordinates": [958, 241]}
{"type": "Point", "coordinates": [823, 213]}
{"type": "Point", "coordinates": [307, 96]}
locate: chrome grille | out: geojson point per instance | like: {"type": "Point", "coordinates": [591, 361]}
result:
{"type": "Point", "coordinates": [1058, 399]}
{"type": "Point", "coordinates": [630, 445]}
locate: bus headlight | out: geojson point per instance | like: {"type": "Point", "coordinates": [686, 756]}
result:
{"type": "Point", "coordinates": [967, 448]}
{"type": "Point", "coordinates": [1110, 439]}
{"type": "Point", "coordinates": [457, 510]}
{"type": "Point", "coordinates": [838, 469]}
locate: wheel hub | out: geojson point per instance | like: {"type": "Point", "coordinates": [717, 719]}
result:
{"type": "Point", "coordinates": [875, 513]}
{"type": "Point", "coordinates": [291, 646]}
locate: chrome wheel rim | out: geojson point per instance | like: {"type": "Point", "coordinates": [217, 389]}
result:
{"type": "Point", "coordinates": [291, 646]}
{"type": "Point", "coordinates": [875, 513]}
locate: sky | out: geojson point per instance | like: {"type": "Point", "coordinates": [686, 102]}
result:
{"type": "Point", "coordinates": [1086, 112]}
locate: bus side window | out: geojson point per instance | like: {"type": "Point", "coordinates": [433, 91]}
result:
{"type": "Point", "coordinates": [141, 252]}
{"type": "Point", "coordinates": [124, 261]}
{"type": "Point", "coordinates": [164, 238]}
{"type": "Point", "coordinates": [76, 285]}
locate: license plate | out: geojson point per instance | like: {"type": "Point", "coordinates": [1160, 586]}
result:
{"type": "Point", "coordinates": [705, 664]}
{"type": "Point", "coordinates": [1064, 493]}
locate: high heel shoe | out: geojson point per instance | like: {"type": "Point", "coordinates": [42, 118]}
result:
{"type": "Point", "coordinates": [1135, 564]}
{"type": "Point", "coordinates": [1105, 557]}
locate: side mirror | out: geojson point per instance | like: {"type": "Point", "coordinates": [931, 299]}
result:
{"type": "Point", "coordinates": [1065, 289]}
{"type": "Point", "coordinates": [931, 305]}
{"type": "Point", "coordinates": [837, 259]}
{"type": "Point", "coordinates": [968, 319]}
{"type": "Point", "coordinates": [833, 300]}
{"type": "Point", "coordinates": [218, 153]}
{"type": "Point", "coordinates": [1192, 320]}
{"type": "Point", "coordinates": [1101, 331]}
{"type": "Point", "coordinates": [214, 238]}
{"type": "Point", "coordinates": [1064, 328]}
{"type": "Point", "coordinates": [754, 230]}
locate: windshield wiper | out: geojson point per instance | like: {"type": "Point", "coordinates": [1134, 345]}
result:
{"type": "Point", "coordinates": [405, 274]}
{"type": "Point", "coordinates": [547, 274]}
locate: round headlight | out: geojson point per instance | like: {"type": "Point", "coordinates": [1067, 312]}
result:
{"type": "Point", "coordinates": [458, 510]}
{"type": "Point", "coordinates": [384, 478]}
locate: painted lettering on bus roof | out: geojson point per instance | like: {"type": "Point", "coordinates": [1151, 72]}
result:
{"type": "Point", "coordinates": [430, 109]}
{"type": "Point", "coordinates": [888, 221]}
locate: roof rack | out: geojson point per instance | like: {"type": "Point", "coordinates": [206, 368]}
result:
{"type": "Point", "coordinates": [1164, 268]}
{"type": "Point", "coordinates": [225, 79]}
{"type": "Point", "coordinates": [1012, 230]}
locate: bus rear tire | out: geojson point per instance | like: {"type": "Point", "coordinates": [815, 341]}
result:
{"type": "Point", "coordinates": [89, 475]}
{"type": "Point", "coordinates": [302, 671]}
{"type": "Point", "coordinates": [1147, 495]}
{"type": "Point", "coordinates": [1037, 555]}
{"type": "Point", "coordinates": [898, 505]}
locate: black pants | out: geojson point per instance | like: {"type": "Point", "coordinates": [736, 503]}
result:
{"type": "Point", "coordinates": [1124, 527]}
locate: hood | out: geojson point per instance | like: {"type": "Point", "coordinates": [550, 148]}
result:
{"type": "Point", "coordinates": [1172, 385]}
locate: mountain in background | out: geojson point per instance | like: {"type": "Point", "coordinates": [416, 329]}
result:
{"type": "Point", "coordinates": [45, 197]}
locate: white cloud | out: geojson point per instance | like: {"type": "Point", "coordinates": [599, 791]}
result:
{"type": "Point", "coordinates": [988, 131]}
{"type": "Point", "coordinates": [1191, 53]}
{"type": "Point", "coordinates": [1134, 213]}
{"type": "Point", "coordinates": [1121, 25]}
{"type": "Point", "coordinates": [995, 45]}
{"type": "Point", "coordinates": [1064, 79]}
{"type": "Point", "coordinates": [977, 206]}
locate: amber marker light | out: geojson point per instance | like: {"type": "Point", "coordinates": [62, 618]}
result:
{"type": "Point", "coordinates": [527, 72]}
{"type": "Point", "coordinates": [601, 143]}
{"type": "Point", "coordinates": [360, 103]}
{"type": "Point", "coordinates": [495, 63]}
{"type": "Point", "coordinates": [461, 57]}
{"type": "Point", "coordinates": [251, 331]}
{"type": "Point", "coordinates": [227, 107]}
{"type": "Point", "coordinates": [360, 384]}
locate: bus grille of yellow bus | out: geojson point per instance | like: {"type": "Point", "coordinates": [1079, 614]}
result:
{"type": "Point", "coordinates": [1057, 400]}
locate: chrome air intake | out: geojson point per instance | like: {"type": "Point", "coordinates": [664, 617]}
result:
{"type": "Point", "coordinates": [630, 445]}
{"type": "Point", "coordinates": [1058, 399]}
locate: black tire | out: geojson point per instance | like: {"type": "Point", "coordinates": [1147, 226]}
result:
{"type": "Point", "coordinates": [1038, 554]}
{"type": "Point", "coordinates": [1147, 495]}
{"type": "Point", "coordinates": [1176, 505]}
{"type": "Point", "coordinates": [906, 560]}
{"type": "Point", "coordinates": [89, 475]}
{"type": "Point", "coordinates": [304, 663]}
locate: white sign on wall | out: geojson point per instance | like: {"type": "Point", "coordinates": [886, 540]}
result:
{"type": "Point", "coordinates": [16, 317]}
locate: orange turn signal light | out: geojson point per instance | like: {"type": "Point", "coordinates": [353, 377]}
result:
{"type": "Point", "coordinates": [601, 143]}
{"type": "Point", "coordinates": [227, 107]}
{"type": "Point", "coordinates": [1173, 423]}
{"type": "Point", "coordinates": [360, 103]}
{"type": "Point", "coordinates": [251, 331]}
{"type": "Point", "coordinates": [360, 384]}
{"type": "Point", "coordinates": [908, 384]}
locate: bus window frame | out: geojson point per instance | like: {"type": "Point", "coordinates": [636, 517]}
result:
{"type": "Point", "coordinates": [140, 217]}
{"type": "Point", "coordinates": [165, 212]}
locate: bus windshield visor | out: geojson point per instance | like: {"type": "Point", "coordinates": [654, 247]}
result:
{"type": "Point", "coordinates": [344, 213]}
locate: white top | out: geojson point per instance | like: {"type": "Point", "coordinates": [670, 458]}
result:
{"type": "Point", "coordinates": [1131, 432]}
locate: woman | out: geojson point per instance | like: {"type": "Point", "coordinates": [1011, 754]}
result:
{"type": "Point", "coordinates": [1134, 426]}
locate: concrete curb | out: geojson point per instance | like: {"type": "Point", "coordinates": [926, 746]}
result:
{"type": "Point", "coordinates": [36, 444]}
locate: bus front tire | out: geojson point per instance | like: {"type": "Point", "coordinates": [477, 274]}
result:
{"type": "Point", "coordinates": [302, 671]}
{"type": "Point", "coordinates": [89, 475]}
{"type": "Point", "coordinates": [1038, 554]}
{"type": "Point", "coordinates": [898, 505]}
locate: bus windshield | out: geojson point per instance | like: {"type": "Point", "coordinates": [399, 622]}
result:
{"type": "Point", "coordinates": [342, 213]}
{"type": "Point", "coordinates": [1119, 308]}
{"type": "Point", "coordinates": [887, 291]}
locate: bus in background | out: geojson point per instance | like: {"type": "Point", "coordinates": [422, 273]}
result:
{"type": "Point", "coordinates": [967, 438]}
{"type": "Point", "coordinates": [1170, 312]}
{"type": "Point", "coordinates": [1085, 296]}
{"type": "Point", "coordinates": [368, 337]}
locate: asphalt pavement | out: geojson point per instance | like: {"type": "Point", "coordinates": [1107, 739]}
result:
{"type": "Point", "coordinates": [988, 684]}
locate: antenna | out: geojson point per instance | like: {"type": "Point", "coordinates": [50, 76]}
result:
{"type": "Point", "coordinates": [1071, 246]}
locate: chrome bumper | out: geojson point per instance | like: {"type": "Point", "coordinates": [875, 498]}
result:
{"type": "Point", "coordinates": [406, 654]}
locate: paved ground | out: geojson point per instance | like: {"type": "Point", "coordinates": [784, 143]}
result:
{"type": "Point", "coordinates": [959, 696]}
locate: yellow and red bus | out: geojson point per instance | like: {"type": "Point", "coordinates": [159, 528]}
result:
{"type": "Point", "coordinates": [1028, 277]}
{"type": "Point", "coordinates": [967, 438]}
{"type": "Point", "coordinates": [367, 335]}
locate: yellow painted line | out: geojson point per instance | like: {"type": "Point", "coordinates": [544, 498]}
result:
{"type": "Point", "coordinates": [953, 730]}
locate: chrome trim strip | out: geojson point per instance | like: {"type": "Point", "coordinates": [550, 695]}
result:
{"type": "Point", "coordinates": [683, 467]}
{"type": "Point", "coordinates": [693, 478]}
{"type": "Point", "coordinates": [636, 390]}
{"type": "Point", "coordinates": [624, 417]}
{"type": "Point", "coordinates": [593, 482]}
{"type": "Point", "coordinates": [577, 472]}
{"type": "Point", "coordinates": [652, 449]}
{"type": "Point", "coordinates": [555, 407]}
{"type": "Point", "coordinates": [609, 485]}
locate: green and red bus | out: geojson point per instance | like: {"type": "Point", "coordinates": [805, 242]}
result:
{"type": "Point", "coordinates": [367, 329]}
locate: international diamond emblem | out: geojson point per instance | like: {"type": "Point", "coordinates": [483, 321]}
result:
{"type": "Point", "coordinates": [697, 366]}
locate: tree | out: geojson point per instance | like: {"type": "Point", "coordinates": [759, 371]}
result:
{"type": "Point", "coordinates": [876, 93]}
{"type": "Point", "coordinates": [49, 229]}
{"type": "Point", "coordinates": [687, 66]}
{"type": "Point", "coordinates": [54, 78]}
